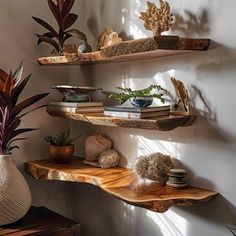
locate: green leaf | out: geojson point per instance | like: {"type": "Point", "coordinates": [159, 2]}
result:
{"type": "Point", "coordinates": [77, 33]}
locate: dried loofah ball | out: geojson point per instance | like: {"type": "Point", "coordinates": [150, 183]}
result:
{"type": "Point", "coordinates": [154, 166]}
{"type": "Point", "coordinates": [109, 158]}
{"type": "Point", "coordinates": [95, 145]}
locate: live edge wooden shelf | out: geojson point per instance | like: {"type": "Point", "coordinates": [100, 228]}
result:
{"type": "Point", "coordinates": [160, 123]}
{"type": "Point", "coordinates": [139, 49]}
{"type": "Point", "coordinates": [121, 183]}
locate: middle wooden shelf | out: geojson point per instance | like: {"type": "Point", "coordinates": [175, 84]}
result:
{"type": "Point", "coordinates": [159, 123]}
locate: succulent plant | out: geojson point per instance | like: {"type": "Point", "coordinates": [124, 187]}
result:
{"type": "Point", "coordinates": [147, 92]}
{"type": "Point", "coordinates": [61, 139]}
{"type": "Point", "coordinates": [65, 19]}
{"type": "Point", "coordinates": [11, 111]}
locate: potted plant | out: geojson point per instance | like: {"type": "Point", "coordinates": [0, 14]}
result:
{"type": "Point", "coordinates": [139, 98]}
{"type": "Point", "coordinates": [61, 149]}
{"type": "Point", "coordinates": [65, 19]}
{"type": "Point", "coordinates": [15, 195]}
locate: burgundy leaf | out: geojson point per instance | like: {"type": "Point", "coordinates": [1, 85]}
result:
{"type": "Point", "coordinates": [67, 5]}
{"type": "Point", "coordinates": [18, 74]}
{"type": "Point", "coordinates": [50, 41]}
{"type": "Point", "coordinates": [55, 11]}
{"type": "Point", "coordinates": [69, 20]}
{"type": "Point", "coordinates": [26, 113]}
{"type": "Point", "coordinates": [18, 89]}
{"type": "Point", "coordinates": [48, 34]}
{"type": "Point", "coordinates": [3, 75]}
{"type": "Point", "coordinates": [26, 103]}
{"type": "Point", "coordinates": [46, 25]}
{"type": "Point", "coordinates": [21, 131]}
{"type": "Point", "coordinates": [60, 4]}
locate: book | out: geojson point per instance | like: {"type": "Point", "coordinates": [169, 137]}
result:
{"type": "Point", "coordinates": [83, 110]}
{"type": "Point", "coordinates": [136, 115]}
{"type": "Point", "coordinates": [126, 108]}
{"type": "Point", "coordinates": [76, 104]}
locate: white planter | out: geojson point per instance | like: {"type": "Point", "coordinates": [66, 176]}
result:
{"type": "Point", "coordinates": [15, 196]}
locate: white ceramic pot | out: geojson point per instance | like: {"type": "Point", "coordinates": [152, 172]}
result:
{"type": "Point", "coordinates": [15, 196]}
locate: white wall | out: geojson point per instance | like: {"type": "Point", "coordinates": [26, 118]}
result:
{"type": "Point", "coordinates": [18, 43]}
{"type": "Point", "coordinates": [206, 150]}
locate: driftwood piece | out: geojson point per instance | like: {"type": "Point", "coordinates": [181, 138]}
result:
{"type": "Point", "coordinates": [121, 183]}
{"type": "Point", "coordinates": [107, 38]}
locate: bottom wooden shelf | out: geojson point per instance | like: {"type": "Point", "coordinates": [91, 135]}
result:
{"type": "Point", "coordinates": [121, 183]}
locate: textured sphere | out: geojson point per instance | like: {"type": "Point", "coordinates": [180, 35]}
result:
{"type": "Point", "coordinates": [109, 158]}
{"type": "Point", "coordinates": [154, 166]}
{"type": "Point", "coordinates": [84, 48]}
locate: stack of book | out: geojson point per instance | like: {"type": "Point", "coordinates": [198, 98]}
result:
{"type": "Point", "coordinates": [85, 108]}
{"type": "Point", "coordinates": [137, 112]}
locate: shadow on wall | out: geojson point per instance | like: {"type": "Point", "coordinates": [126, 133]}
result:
{"type": "Point", "coordinates": [122, 220]}
{"type": "Point", "coordinates": [190, 24]}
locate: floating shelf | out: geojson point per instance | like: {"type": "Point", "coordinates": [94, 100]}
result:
{"type": "Point", "coordinates": [132, 50]}
{"type": "Point", "coordinates": [159, 123]}
{"type": "Point", "coordinates": [121, 183]}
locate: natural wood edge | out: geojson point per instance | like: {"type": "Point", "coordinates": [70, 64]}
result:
{"type": "Point", "coordinates": [158, 123]}
{"type": "Point", "coordinates": [139, 49]}
{"type": "Point", "coordinates": [121, 183]}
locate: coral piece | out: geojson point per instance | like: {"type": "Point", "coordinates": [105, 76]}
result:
{"type": "Point", "coordinates": [156, 19]}
{"type": "Point", "coordinates": [154, 166]}
{"type": "Point", "coordinates": [95, 145]}
{"type": "Point", "coordinates": [109, 158]}
{"type": "Point", "coordinates": [107, 38]}
{"type": "Point", "coordinates": [182, 94]}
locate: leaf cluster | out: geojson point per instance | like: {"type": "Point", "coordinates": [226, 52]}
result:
{"type": "Point", "coordinates": [65, 19]}
{"type": "Point", "coordinates": [62, 139]}
{"type": "Point", "coordinates": [11, 111]}
{"type": "Point", "coordinates": [128, 93]}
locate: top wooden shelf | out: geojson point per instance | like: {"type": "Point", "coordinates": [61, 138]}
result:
{"type": "Point", "coordinates": [140, 49]}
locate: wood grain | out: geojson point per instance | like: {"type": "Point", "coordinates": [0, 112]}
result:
{"type": "Point", "coordinates": [159, 123]}
{"type": "Point", "coordinates": [121, 183]}
{"type": "Point", "coordinates": [41, 221]}
{"type": "Point", "coordinates": [131, 50]}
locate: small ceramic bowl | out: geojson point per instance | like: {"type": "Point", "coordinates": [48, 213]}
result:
{"type": "Point", "coordinates": [75, 93]}
{"type": "Point", "coordinates": [141, 101]}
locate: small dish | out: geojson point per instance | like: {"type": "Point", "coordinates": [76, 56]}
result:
{"type": "Point", "coordinates": [76, 93]}
{"type": "Point", "coordinates": [141, 101]}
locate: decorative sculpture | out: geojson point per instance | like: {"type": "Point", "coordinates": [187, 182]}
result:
{"type": "Point", "coordinates": [154, 167]}
{"type": "Point", "coordinates": [182, 95]}
{"type": "Point", "coordinates": [156, 19]}
{"type": "Point", "coordinates": [95, 145]}
{"type": "Point", "coordinates": [107, 38]}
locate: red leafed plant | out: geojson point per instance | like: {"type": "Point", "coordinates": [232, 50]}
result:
{"type": "Point", "coordinates": [61, 11]}
{"type": "Point", "coordinates": [12, 111]}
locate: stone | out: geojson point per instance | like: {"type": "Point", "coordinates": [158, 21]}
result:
{"type": "Point", "coordinates": [154, 167]}
{"type": "Point", "coordinates": [95, 145]}
{"type": "Point", "coordinates": [109, 158]}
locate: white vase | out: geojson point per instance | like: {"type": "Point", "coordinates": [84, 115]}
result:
{"type": "Point", "coordinates": [15, 196]}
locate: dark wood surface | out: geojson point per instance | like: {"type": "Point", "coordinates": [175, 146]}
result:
{"type": "Point", "coordinates": [41, 221]}
{"type": "Point", "coordinates": [164, 123]}
{"type": "Point", "coordinates": [121, 183]}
